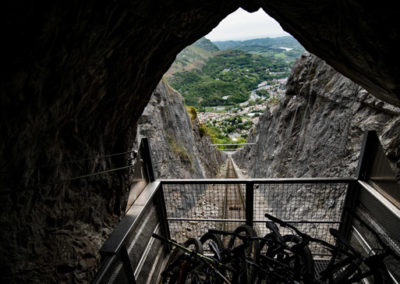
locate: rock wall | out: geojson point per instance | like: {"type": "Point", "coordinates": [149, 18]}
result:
{"type": "Point", "coordinates": [75, 78]}
{"type": "Point", "coordinates": [317, 128]}
{"type": "Point", "coordinates": [180, 149]}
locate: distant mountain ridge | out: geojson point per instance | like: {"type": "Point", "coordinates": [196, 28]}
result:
{"type": "Point", "coordinates": [262, 44]}
{"type": "Point", "coordinates": [206, 44]}
{"type": "Point", "coordinates": [192, 57]}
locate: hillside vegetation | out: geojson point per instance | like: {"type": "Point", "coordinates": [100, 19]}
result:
{"type": "Point", "coordinates": [227, 78]}
{"type": "Point", "coordinates": [207, 76]}
{"type": "Point", "coordinates": [192, 57]}
{"type": "Point", "coordinates": [231, 83]}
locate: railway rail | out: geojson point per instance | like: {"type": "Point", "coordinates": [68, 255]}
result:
{"type": "Point", "coordinates": [234, 202]}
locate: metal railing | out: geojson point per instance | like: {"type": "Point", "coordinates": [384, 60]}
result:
{"type": "Point", "coordinates": [231, 147]}
{"type": "Point", "coordinates": [314, 204]}
{"type": "Point", "coordinates": [185, 208]}
{"type": "Point", "coordinates": [181, 208]}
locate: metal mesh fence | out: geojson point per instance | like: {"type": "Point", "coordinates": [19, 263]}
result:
{"type": "Point", "coordinates": [319, 205]}
{"type": "Point", "coordinates": [190, 207]}
{"type": "Point", "coordinates": [313, 208]}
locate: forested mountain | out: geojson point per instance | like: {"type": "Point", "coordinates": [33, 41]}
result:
{"type": "Point", "coordinates": [227, 78]}
{"type": "Point", "coordinates": [206, 44]}
{"type": "Point", "coordinates": [259, 44]}
{"type": "Point", "coordinates": [286, 47]}
{"type": "Point", "coordinates": [192, 57]}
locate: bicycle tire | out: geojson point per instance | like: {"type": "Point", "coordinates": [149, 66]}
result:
{"type": "Point", "coordinates": [270, 237]}
{"type": "Point", "coordinates": [209, 237]}
{"type": "Point", "coordinates": [196, 243]}
{"type": "Point", "coordinates": [173, 273]}
{"type": "Point", "coordinates": [301, 262]}
{"type": "Point", "coordinates": [253, 249]}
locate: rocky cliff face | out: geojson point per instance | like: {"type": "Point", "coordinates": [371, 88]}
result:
{"type": "Point", "coordinates": [317, 128]}
{"type": "Point", "coordinates": [180, 148]}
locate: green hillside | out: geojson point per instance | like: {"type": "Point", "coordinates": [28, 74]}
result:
{"type": "Point", "coordinates": [206, 44]}
{"type": "Point", "coordinates": [227, 78]}
{"type": "Point", "coordinates": [192, 57]}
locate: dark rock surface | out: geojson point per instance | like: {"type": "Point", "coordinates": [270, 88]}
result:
{"type": "Point", "coordinates": [345, 35]}
{"type": "Point", "coordinates": [179, 148]}
{"type": "Point", "coordinates": [75, 78]}
{"type": "Point", "coordinates": [317, 129]}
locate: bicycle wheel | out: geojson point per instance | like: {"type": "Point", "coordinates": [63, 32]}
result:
{"type": "Point", "coordinates": [194, 244]}
{"type": "Point", "coordinates": [297, 257]}
{"type": "Point", "coordinates": [179, 264]}
{"type": "Point", "coordinates": [213, 245]}
{"type": "Point", "coordinates": [208, 240]}
{"type": "Point", "coordinates": [268, 240]}
{"type": "Point", "coordinates": [253, 246]}
{"type": "Point", "coordinates": [245, 264]}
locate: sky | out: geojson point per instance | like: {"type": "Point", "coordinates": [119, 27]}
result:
{"type": "Point", "coordinates": [242, 25]}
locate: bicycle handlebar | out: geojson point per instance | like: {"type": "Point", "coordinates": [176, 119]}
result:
{"type": "Point", "coordinates": [285, 224]}
{"type": "Point", "coordinates": [307, 238]}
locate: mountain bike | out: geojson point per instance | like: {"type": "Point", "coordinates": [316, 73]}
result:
{"type": "Point", "coordinates": [370, 267]}
{"type": "Point", "coordinates": [188, 265]}
{"type": "Point", "coordinates": [241, 252]}
{"type": "Point", "coordinates": [284, 254]}
{"type": "Point", "coordinates": [347, 265]}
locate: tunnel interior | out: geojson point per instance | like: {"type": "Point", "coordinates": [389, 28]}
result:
{"type": "Point", "coordinates": [75, 79]}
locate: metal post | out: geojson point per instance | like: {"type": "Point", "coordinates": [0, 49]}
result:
{"type": "Point", "coordinates": [368, 145]}
{"type": "Point", "coordinates": [350, 202]}
{"type": "Point", "coordinates": [127, 265]}
{"type": "Point", "coordinates": [162, 215]}
{"type": "Point", "coordinates": [351, 198]}
{"type": "Point", "coordinates": [249, 203]}
{"type": "Point", "coordinates": [148, 162]}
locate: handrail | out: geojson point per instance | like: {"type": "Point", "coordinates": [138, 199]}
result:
{"type": "Point", "coordinates": [117, 238]}
{"type": "Point", "coordinates": [258, 181]}
{"type": "Point", "coordinates": [254, 221]}
{"type": "Point", "coordinates": [117, 250]}
{"type": "Point", "coordinates": [380, 198]}
{"type": "Point", "coordinates": [239, 144]}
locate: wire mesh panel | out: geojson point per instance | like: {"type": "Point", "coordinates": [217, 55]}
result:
{"type": "Point", "coordinates": [190, 206]}
{"type": "Point", "coordinates": [183, 230]}
{"type": "Point", "coordinates": [313, 208]}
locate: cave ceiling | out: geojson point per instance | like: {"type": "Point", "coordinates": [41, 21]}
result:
{"type": "Point", "coordinates": [358, 38]}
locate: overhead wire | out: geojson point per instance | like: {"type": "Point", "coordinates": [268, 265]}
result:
{"type": "Point", "coordinates": [67, 180]}
{"type": "Point", "coordinates": [79, 160]}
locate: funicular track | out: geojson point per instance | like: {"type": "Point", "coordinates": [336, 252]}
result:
{"type": "Point", "coordinates": [234, 202]}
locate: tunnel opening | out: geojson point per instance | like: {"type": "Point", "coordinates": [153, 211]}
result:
{"type": "Point", "coordinates": [191, 225]}
{"type": "Point", "coordinates": [227, 84]}
{"type": "Point", "coordinates": [66, 95]}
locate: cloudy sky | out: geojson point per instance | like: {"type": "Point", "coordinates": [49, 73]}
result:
{"type": "Point", "coordinates": [241, 25]}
